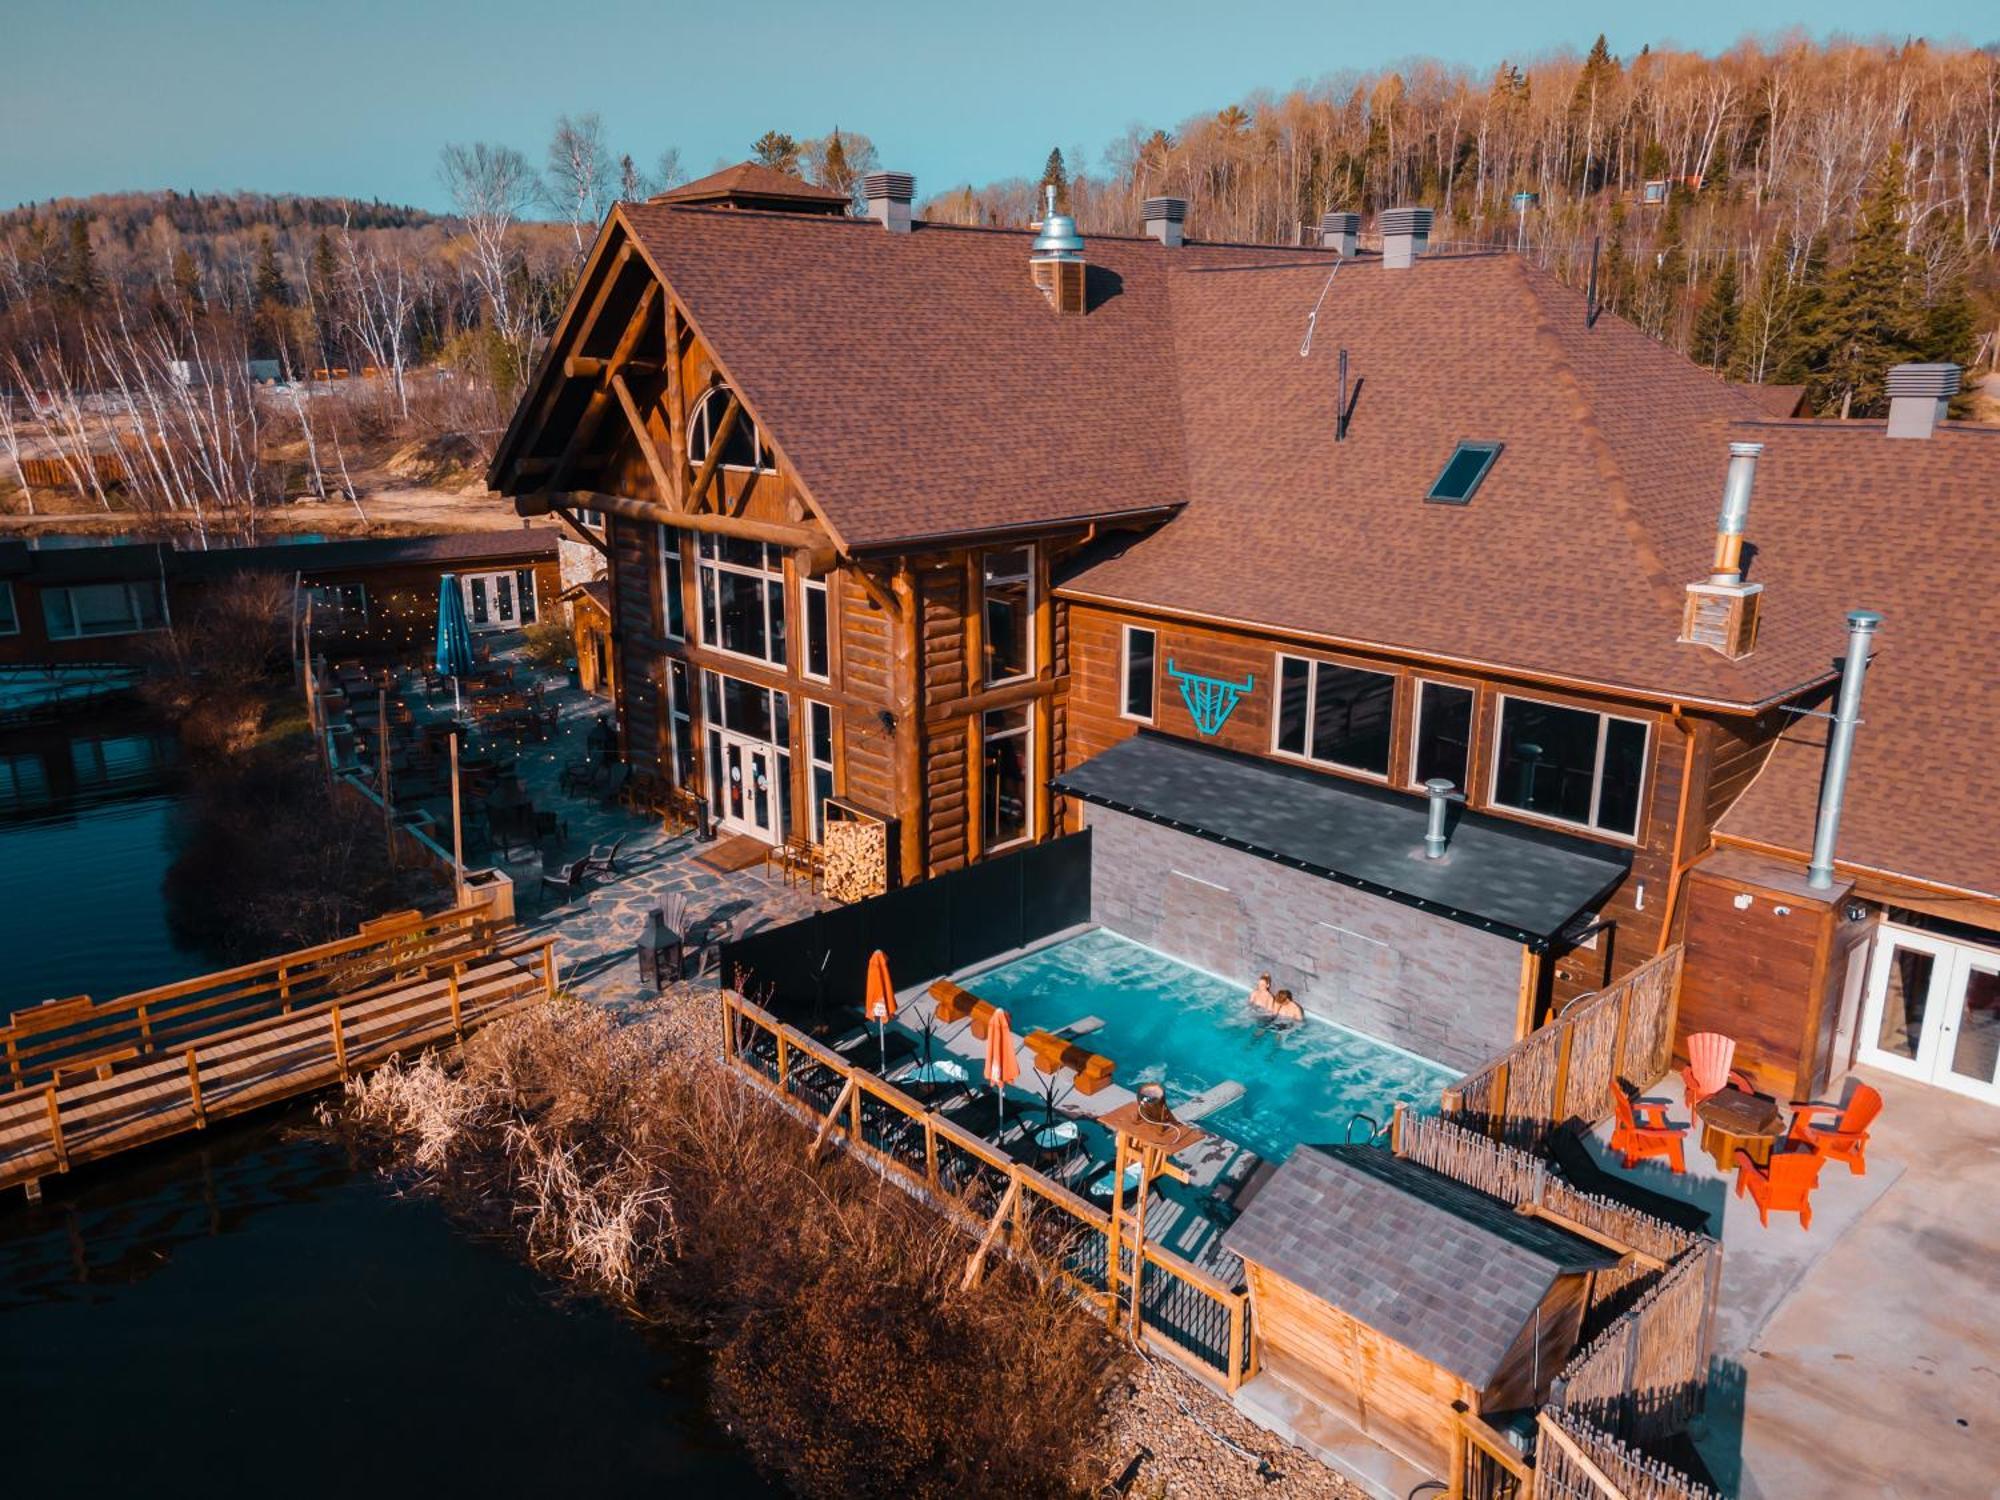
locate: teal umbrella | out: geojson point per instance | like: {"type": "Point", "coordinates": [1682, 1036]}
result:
{"type": "Point", "coordinates": [454, 649]}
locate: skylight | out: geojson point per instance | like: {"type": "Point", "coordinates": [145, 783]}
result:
{"type": "Point", "coordinates": [1463, 472]}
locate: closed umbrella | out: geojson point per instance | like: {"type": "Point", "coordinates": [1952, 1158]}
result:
{"type": "Point", "coordinates": [1002, 1066]}
{"type": "Point", "coordinates": [881, 1002]}
{"type": "Point", "coordinates": [454, 639]}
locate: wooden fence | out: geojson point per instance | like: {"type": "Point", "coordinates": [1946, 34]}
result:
{"type": "Point", "coordinates": [1565, 1070]}
{"type": "Point", "coordinates": [1643, 1377]}
{"type": "Point", "coordinates": [80, 1035]}
{"type": "Point", "coordinates": [1576, 1461]}
{"type": "Point", "coordinates": [1184, 1312]}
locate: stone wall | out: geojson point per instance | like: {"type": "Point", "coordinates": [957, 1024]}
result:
{"type": "Point", "coordinates": [1437, 987]}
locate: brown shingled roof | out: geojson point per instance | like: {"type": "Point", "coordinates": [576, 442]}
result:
{"type": "Point", "coordinates": [753, 182]}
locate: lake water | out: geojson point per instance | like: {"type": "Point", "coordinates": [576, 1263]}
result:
{"type": "Point", "coordinates": [247, 1311]}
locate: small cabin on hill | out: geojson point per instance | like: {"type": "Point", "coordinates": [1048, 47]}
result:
{"type": "Point", "coordinates": [1386, 1292]}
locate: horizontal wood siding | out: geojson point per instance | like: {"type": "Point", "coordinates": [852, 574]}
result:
{"type": "Point", "coordinates": [1754, 976]}
{"type": "Point", "coordinates": [870, 761]}
{"type": "Point", "coordinates": [635, 582]}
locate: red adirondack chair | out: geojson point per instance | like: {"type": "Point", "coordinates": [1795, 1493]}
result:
{"type": "Point", "coordinates": [1846, 1139]}
{"type": "Point", "coordinates": [1643, 1130]}
{"type": "Point", "coordinates": [1708, 1071]}
{"type": "Point", "coordinates": [1786, 1185]}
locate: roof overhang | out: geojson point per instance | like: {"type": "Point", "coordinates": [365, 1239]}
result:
{"type": "Point", "coordinates": [1521, 883]}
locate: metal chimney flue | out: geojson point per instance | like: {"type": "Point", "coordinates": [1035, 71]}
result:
{"type": "Point", "coordinates": [1861, 627]}
{"type": "Point", "coordinates": [1435, 842]}
{"type": "Point", "coordinates": [1735, 516]}
{"type": "Point", "coordinates": [889, 196]}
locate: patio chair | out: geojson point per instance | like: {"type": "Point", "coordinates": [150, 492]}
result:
{"type": "Point", "coordinates": [606, 855]}
{"type": "Point", "coordinates": [614, 785]}
{"type": "Point", "coordinates": [1708, 1071]}
{"type": "Point", "coordinates": [1846, 1139]}
{"type": "Point", "coordinates": [579, 775]}
{"type": "Point", "coordinates": [572, 880]}
{"type": "Point", "coordinates": [1786, 1185]}
{"type": "Point", "coordinates": [1644, 1130]}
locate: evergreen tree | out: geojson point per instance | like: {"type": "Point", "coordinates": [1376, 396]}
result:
{"type": "Point", "coordinates": [1586, 106]}
{"type": "Point", "coordinates": [1795, 312]}
{"type": "Point", "coordinates": [81, 284]}
{"type": "Point", "coordinates": [186, 276]}
{"type": "Point", "coordinates": [834, 172]}
{"type": "Point", "coordinates": [267, 280]}
{"type": "Point", "coordinates": [1715, 327]}
{"type": "Point", "coordinates": [1872, 315]}
{"type": "Point", "coordinates": [1054, 175]}
{"type": "Point", "coordinates": [776, 149]}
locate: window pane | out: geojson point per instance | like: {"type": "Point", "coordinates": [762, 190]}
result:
{"type": "Point", "coordinates": [822, 789]}
{"type": "Point", "coordinates": [1139, 672]}
{"type": "Point", "coordinates": [740, 613]}
{"type": "Point", "coordinates": [746, 708]}
{"type": "Point", "coordinates": [1624, 775]}
{"type": "Point", "coordinates": [1294, 680]}
{"type": "Point", "coordinates": [711, 684]}
{"type": "Point", "coordinates": [1905, 998]}
{"type": "Point", "coordinates": [9, 623]}
{"type": "Point", "coordinates": [774, 590]}
{"type": "Point", "coordinates": [1547, 757]}
{"type": "Point", "coordinates": [1444, 734]}
{"type": "Point", "coordinates": [524, 580]}
{"type": "Point", "coordinates": [503, 588]}
{"type": "Point", "coordinates": [1006, 776]}
{"type": "Point", "coordinates": [816, 636]}
{"type": "Point", "coordinates": [671, 586]}
{"type": "Point", "coordinates": [1007, 623]}
{"type": "Point", "coordinates": [822, 734]}
{"type": "Point", "coordinates": [479, 601]}
{"type": "Point", "coordinates": [1351, 716]}
{"type": "Point", "coordinates": [781, 704]}
{"type": "Point", "coordinates": [741, 554]}
{"type": "Point", "coordinates": [784, 796]}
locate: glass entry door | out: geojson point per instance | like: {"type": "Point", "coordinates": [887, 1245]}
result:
{"type": "Point", "coordinates": [1933, 1012]}
{"type": "Point", "coordinates": [745, 774]}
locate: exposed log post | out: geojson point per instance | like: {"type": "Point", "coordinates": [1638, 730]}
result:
{"type": "Point", "coordinates": [732, 412]}
{"type": "Point", "coordinates": [655, 465]}
{"type": "Point", "coordinates": [1043, 729]}
{"type": "Point", "coordinates": [600, 399]}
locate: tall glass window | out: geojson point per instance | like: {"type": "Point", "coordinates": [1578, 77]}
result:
{"type": "Point", "coordinates": [1443, 741]}
{"type": "Point", "coordinates": [1009, 756]}
{"type": "Point", "coordinates": [103, 609]}
{"type": "Point", "coordinates": [742, 598]}
{"type": "Point", "coordinates": [1008, 584]}
{"type": "Point", "coordinates": [819, 645]}
{"type": "Point", "coordinates": [671, 584]}
{"type": "Point", "coordinates": [10, 623]}
{"type": "Point", "coordinates": [1136, 675]}
{"type": "Point", "coordinates": [1338, 715]}
{"type": "Point", "coordinates": [680, 714]}
{"type": "Point", "coordinates": [1570, 764]}
{"type": "Point", "coordinates": [819, 755]}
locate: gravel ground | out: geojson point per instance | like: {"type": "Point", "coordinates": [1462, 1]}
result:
{"type": "Point", "coordinates": [1168, 1436]}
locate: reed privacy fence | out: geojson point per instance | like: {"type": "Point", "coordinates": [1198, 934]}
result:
{"type": "Point", "coordinates": [1565, 1070]}
{"type": "Point", "coordinates": [1184, 1312]}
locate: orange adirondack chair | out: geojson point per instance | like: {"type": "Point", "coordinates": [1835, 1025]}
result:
{"type": "Point", "coordinates": [1708, 1071]}
{"type": "Point", "coordinates": [1643, 1130]}
{"type": "Point", "coordinates": [1846, 1139]}
{"type": "Point", "coordinates": [1785, 1185]}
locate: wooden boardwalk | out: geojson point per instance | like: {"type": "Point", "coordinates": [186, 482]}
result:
{"type": "Point", "coordinates": [91, 1080]}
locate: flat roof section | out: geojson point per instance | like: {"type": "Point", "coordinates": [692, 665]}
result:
{"type": "Point", "coordinates": [1524, 883]}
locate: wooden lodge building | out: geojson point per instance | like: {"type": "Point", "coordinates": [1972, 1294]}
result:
{"type": "Point", "coordinates": [1234, 554]}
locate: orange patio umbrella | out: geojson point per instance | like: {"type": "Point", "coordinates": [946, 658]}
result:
{"type": "Point", "coordinates": [1002, 1066]}
{"type": "Point", "coordinates": [881, 1002]}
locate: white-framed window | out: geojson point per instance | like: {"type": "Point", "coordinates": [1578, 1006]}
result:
{"type": "Point", "coordinates": [680, 722]}
{"type": "Point", "coordinates": [339, 606]}
{"type": "Point", "coordinates": [93, 609]}
{"type": "Point", "coordinates": [1137, 653]}
{"type": "Point", "coordinates": [1007, 587]}
{"type": "Point", "coordinates": [500, 601]}
{"type": "Point", "coordinates": [1334, 714]}
{"type": "Point", "coordinates": [672, 595]}
{"type": "Point", "coordinates": [1008, 744]}
{"type": "Point", "coordinates": [818, 663]}
{"type": "Point", "coordinates": [1441, 733]}
{"type": "Point", "coordinates": [744, 448]}
{"type": "Point", "coordinates": [1570, 765]}
{"type": "Point", "coordinates": [819, 757]}
{"type": "Point", "coordinates": [742, 597]}
{"type": "Point", "coordinates": [10, 622]}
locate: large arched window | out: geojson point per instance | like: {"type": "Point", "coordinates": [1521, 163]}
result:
{"type": "Point", "coordinates": [744, 448]}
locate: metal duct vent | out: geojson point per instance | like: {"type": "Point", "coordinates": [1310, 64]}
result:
{"type": "Point", "coordinates": [1163, 218]}
{"type": "Point", "coordinates": [1406, 234]}
{"type": "Point", "coordinates": [1918, 396]}
{"type": "Point", "coordinates": [889, 196]}
{"type": "Point", "coordinates": [1339, 231]}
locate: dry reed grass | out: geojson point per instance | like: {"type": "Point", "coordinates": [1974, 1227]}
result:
{"type": "Point", "coordinates": [845, 1355]}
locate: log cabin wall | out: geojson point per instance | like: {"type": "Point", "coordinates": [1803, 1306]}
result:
{"type": "Point", "coordinates": [634, 575]}
{"type": "Point", "coordinates": [1092, 708]}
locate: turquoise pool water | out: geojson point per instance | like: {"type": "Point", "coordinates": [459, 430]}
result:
{"type": "Point", "coordinates": [1165, 1020]}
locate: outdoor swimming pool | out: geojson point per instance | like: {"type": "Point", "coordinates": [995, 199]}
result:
{"type": "Point", "coordinates": [1165, 1020]}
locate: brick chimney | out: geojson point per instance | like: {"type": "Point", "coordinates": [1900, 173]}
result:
{"type": "Point", "coordinates": [1406, 234]}
{"type": "Point", "coordinates": [1340, 231]}
{"type": "Point", "coordinates": [1918, 396]}
{"type": "Point", "coordinates": [889, 196]}
{"type": "Point", "coordinates": [1056, 262]}
{"type": "Point", "coordinates": [1721, 613]}
{"type": "Point", "coordinates": [1164, 218]}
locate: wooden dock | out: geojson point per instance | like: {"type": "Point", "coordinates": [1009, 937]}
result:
{"type": "Point", "coordinates": [90, 1079]}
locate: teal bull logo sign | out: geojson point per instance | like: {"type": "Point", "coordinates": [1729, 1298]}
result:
{"type": "Point", "coordinates": [1210, 700]}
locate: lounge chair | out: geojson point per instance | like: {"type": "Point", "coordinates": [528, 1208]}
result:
{"type": "Point", "coordinates": [1644, 1130]}
{"type": "Point", "coordinates": [572, 879]}
{"type": "Point", "coordinates": [1846, 1139]}
{"type": "Point", "coordinates": [1708, 1071]}
{"type": "Point", "coordinates": [606, 855]}
{"type": "Point", "coordinates": [953, 1002]}
{"type": "Point", "coordinates": [1786, 1185]}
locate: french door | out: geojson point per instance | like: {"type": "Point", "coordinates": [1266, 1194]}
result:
{"type": "Point", "coordinates": [745, 774]}
{"type": "Point", "coordinates": [499, 601]}
{"type": "Point", "coordinates": [1933, 1011]}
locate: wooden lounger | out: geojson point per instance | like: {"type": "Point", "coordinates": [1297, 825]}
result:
{"type": "Point", "coordinates": [953, 1003]}
{"type": "Point", "coordinates": [1093, 1069]}
{"type": "Point", "coordinates": [1048, 1049]}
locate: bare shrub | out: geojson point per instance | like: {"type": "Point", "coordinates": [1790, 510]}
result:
{"type": "Point", "coordinates": [214, 669]}
{"type": "Point", "coordinates": [846, 1357]}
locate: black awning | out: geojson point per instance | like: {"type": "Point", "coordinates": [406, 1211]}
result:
{"type": "Point", "coordinates": [1526, 883]}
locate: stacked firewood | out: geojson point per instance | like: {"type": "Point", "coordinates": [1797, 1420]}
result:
{"type": "Point", "coordinates": [857, 859]}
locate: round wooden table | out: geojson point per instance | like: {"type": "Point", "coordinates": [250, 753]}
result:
{"type": "Point", "coordinates": [1733, 1120]}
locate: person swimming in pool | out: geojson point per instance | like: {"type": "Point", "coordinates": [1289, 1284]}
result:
{"type": "Point", "coordinates": [1285, 1010]}
{"type": "Point", "coordinates": [1262, 1000]}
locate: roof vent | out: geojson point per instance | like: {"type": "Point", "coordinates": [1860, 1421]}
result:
{"type": "Point", "coordinates": [889, 196]}
{"type": "Point", "coordinates": [1163, 218]}
{"type": "Point", "coordinates": [1918, 395]}
{"type": "Point", "coordinates": [1056, 262]}
{"type": "Point", "coordinates": [1406, 234]}
{"type": "Point", "coordinates": [1339, 231]}
{"type": "Point", "coordinates": [1721, 613]}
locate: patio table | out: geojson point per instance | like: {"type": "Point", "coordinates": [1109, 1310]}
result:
{"type": "Point", "coordinates": [1059, 1134]}
{"type": "Point", "coordinates": [1733, 1121]}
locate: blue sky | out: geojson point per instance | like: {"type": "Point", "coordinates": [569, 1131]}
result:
{"type": "Point", "coordinates": [354, 97]}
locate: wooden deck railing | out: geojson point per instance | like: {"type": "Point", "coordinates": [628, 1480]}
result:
{"type": "Point", "coordinates": [63, 1039]}
{"type": "Point", "coordinates": [1565, 1070]}
{"type": "Point", "coordinates": [1184, 1312]}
